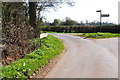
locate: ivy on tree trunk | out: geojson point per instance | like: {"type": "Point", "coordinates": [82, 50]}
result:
{"type": "Point", "coordinates": [32, 16]}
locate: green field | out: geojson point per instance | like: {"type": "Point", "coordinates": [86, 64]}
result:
{"type": "Point", "coordinates": [26, 66]}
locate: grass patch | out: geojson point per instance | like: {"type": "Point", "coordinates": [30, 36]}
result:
{"type": "Point", "coordinates": [97, 35]}
{"type": "Point", "coordinates": [26, 66]}
{"type": "Point", "coordinates": [49, 32]}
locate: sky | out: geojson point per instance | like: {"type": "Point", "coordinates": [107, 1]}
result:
{"type": "Point", "coordinates": [85, 10]}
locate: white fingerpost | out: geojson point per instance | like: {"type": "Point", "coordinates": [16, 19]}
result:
{"type": "Point", "coordinates": [43, 35]}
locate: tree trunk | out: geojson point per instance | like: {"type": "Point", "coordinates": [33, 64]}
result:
{"type": "Point", "coordinates": [32, 16]}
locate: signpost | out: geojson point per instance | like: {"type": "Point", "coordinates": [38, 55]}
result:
{"type": "Point", "coordinates": [98, 11]}
{"type": "Point", "coordinates": [105, 15]}
{"type": "Point", "coordinates": [102, 15]}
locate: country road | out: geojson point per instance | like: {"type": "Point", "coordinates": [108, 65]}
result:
{"type": "Point", "coordinates": [86, 58]}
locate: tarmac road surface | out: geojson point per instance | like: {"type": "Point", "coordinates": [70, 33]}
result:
{"type": "Point", "coordinates": [86, 58]}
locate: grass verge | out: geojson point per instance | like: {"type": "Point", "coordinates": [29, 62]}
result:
{"type": "Point", "coordinates": [26, 66]}
{"type": "Point", "coordinates": [97, 35]}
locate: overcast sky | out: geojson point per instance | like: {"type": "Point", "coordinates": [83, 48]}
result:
{"type": "Point", "coordinates": [86, 10]}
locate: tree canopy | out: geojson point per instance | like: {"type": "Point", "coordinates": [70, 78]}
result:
{"type": "Point", "coordinates": [56, 22]}
{"type": "Point", "coordinates": [69, 21]}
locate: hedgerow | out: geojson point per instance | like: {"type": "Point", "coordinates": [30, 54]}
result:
{"type": "Point", "coordinates": [26, 66]}
{"type": "Point", "coordinates": [82, 29]}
